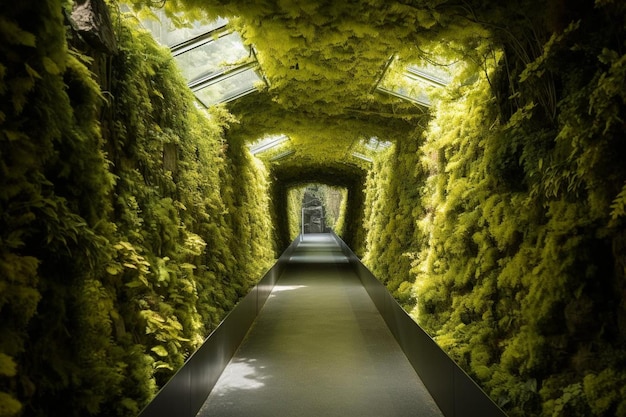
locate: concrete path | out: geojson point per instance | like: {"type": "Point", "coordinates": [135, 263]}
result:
{"type": "Point", "coordinates": [319, 348]}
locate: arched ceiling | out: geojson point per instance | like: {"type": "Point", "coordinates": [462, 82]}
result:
{"type": "Point", "coordinates": [323, 62]}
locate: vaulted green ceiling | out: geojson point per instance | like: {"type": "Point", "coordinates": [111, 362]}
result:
{"type": "Point", "coordinates": [322, 62]}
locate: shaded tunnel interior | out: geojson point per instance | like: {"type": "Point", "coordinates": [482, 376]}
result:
{"type": "Point", "coordinates": [148, 151]}
{"type": "Point", "coordinates": [350, 177]}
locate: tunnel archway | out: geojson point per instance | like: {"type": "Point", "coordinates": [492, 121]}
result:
{"type": "Point", "coordinates": [350, 177]}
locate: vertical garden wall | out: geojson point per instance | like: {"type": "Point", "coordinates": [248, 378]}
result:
{"type": "Point", "coordinates": [509, 210]}
{"type": "Point", "coordinates": [393, 202]}
{"type": "Point", "coordinates": [131, 221]}
{"type": "Point", "coordinates": [522, 278]}
{"type": "Point", "coordinates": [120, 248]}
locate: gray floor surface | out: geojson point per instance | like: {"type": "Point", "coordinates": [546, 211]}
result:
{"type": "Point", "coordinates": [319, 348]}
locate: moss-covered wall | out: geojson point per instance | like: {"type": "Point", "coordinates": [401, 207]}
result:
{"type": "Point", "coordinates": [120, 249]}
{"type": "Point", "coordinates": [393, 193]}
{"type": "Point", "coordinates": [522, 279]}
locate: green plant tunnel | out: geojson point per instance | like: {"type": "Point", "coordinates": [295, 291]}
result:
{"type": "Point", "coordinates": [154, 157]}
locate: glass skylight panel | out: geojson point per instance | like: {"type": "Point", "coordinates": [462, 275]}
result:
{"type": "Point", "coordinates": [214, 60]}
{"type": "Point", "coordinates": [197, 29]}
{"type": "Point", "coordinates": [363, 157]}
{"type": "Point", "coordinates": [375, 144]}
{"type": "Point", "coordinates": [415, 83]}
{"type": "Point", "coordinates": [409, 88]}
{"type": "Point", "coordinates": [436, 76]}
{"type": "Point", "coordinates": [267, 143]}
{"type": "Point", "coordinates": [211, 56]}
{"type": "Point", "coordinates": [228, 87]}
{"type": "Point", "coordinates": [166, 33]}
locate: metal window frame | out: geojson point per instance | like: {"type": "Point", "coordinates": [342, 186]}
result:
{"type": "Point", "coordinates": [204, 82]}
{"type": "Point", "coordinates": [283, 155]}
{"type": "Point", "coordinates": [424, 103]}
{"type": "Point", "coordinates": [200, 40]}
{"type": "Point", "coordinates": [267, 144]}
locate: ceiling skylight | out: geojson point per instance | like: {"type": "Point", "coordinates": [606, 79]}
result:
{"type": "Point", "coordinates": [362, 157]}
{"type": "Point", "coordinates": [212, 56]}
{"type": "Point", "coordinates": [267, 143]}
{"type": "Point", "coordinates": [414, 83]}
{"type": "Point", "coordinates": [375, 144]}
{"type": "Point", "coordinates": [218, 66]}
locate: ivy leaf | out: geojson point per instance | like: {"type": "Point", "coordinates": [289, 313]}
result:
{"type": "Point", "coordinates": [31, 71]}
{"type": "Point", "coordinates": [114, 269]}
{"type": "Point", "coordinates": [160, 350]}
{"type": "Point", "coordinates": [163, 365]}
{"type": "Point", "coordinates": [618, 207]}
{"type": "Point", "coordinates": [51, 66]}
{"type": "Point", "coordinates": [13, 34]}
{"type": "Point", "coordinates": [10, 406]}
{"type": "Point", "coordinates": [7, 365]}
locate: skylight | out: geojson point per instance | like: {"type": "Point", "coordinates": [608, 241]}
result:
{"type": "Point", "coordinates": [375, 144]}
{"type": "Point", "coordinates": [414, 83]}
{"type": "Point", "coordinates": [267, 143]}
{"type": "Point", "coordinates": [211, 56]}
{"type": "Point", "coordinates": [362, 157]}
{"type": "Point", "coordinates": [218, 66]}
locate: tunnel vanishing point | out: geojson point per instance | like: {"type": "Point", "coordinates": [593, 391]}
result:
{"type": "Point", "coordinates": [153, 156]}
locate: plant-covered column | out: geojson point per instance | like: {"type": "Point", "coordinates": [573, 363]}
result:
{"type": "Point", "coordinates": [393, 194]}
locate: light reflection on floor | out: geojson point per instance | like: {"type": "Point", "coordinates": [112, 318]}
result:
{"type": "Point", "coordinates": [319, 347]}
{"type": "Point", "coordinates": [279, 288]}
{"type": "Point", "coordinates": [318, 248]}
{"type": "Point", "coordinates": [241, 374]}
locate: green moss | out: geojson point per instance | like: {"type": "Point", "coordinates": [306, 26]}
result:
{"type": "Point", "coordinates": [503, 222]}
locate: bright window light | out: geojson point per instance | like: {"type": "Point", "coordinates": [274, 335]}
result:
{"type": "Point", "coordinates": [267, 143]}
{"type": "Point", "coordinates": [216, 63]}
{"type": "Point", "coordinates": [414, 83]}
{"type": "Point", "coordinates": [227, 87]}
{"type": "Point", "coordinates": [375, 144]}
{"type": "Point", "coordinates": [363, 157]}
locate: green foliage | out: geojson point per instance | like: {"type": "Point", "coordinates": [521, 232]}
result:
{"type": "Point", "coordinates": [517, 280]}
{"type": "Point", "coordinates": [121, 249]}
{"type": "Point", "coordinates": [605, 392]}
{"type": "Point", "coordinates": [117, 256]}
{"type": "Point", "coordinates": [392, 237]}
{"type": "Point", "coordinates": [177, 207]}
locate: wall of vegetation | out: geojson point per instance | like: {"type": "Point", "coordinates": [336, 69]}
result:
{"type": "Point", "coordinates": [508, 210]}
{"type": "Point", "coordinates": [120, 248]}
{"type": "Point", "coordinates": [392, 204]}
{"type": "Point", "coordinates": [522, 278]}
{"type": "Point", "coordinates": [122, 207]}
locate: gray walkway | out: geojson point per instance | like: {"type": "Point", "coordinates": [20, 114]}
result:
{"type": "Point", "coordinates": [319, 348]}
